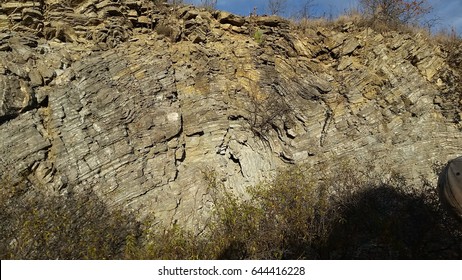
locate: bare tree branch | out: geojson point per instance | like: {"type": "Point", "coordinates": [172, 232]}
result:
{"type": "Point", "coordinates": [396, 12]}
{"type": "Point", "coordinates": [277, 7]}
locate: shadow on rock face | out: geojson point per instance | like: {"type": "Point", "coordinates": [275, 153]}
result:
{"type": "Point", "coordinates": [385, 222]}
{"type": "Point", "coordinates": [379, 221]}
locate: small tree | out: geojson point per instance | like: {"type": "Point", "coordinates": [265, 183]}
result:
{"type": "Point", "coordinates": [265, 112]}
{"type": "Point", "coordinates": [395, 12]}
{"type": "Point", "coordinates": [305, 11]}
{"type": "Point", "coordinates": [176, 2]}
{"type": "Point", "coordinates": [209, 4]}
{"type": "Point", "coordinates": [277, 7]}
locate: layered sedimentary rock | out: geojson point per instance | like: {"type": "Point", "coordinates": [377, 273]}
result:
{"type": "Point", "coordinates": [139, 101]}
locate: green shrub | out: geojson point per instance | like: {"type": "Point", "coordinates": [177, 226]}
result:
{"type": "Point", "coordinates": [258, 36]}
{"type": "Point", "coordinates": [284, 218]}
{"type": "Point", "coordinates": [169, 243]}
{"type": "Point", "coordinates": [73, 226]}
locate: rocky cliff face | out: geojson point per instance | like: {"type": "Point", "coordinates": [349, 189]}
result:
{"type": "Point", "coordinates": [137, 100]}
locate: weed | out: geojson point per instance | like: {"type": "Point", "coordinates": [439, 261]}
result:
{"type": "Point", "coordinates": [258, 36]}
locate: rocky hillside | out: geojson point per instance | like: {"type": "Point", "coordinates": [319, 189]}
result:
{"type": "Point", "coordinates": [137, 100]}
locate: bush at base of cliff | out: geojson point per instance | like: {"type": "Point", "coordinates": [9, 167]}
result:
{"type": "Point", "coordinates": [169, 243]}
{"type": "Point", "coordinates": [76, 226]}
{"type": "Point", "coordinates": [346, 215]}
{"type": "Point", "coordinates": [282, 219]}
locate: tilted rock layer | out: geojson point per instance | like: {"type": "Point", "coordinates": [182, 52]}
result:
{"type": "Point", "coordinates": [138, 101]}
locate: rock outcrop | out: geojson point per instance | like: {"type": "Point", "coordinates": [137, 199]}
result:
{"type": "Point", "coordinates": [136, 101]}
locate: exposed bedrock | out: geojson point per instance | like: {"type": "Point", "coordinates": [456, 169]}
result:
{"type": "Point", "coordinates": [138, 107]}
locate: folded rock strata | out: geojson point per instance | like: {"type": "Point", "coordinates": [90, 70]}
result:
{"type": "Point", "coordinates": [137, 101]}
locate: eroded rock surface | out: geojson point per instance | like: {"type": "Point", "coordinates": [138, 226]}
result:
{"type": "Point", "coordinates": [137, 101]}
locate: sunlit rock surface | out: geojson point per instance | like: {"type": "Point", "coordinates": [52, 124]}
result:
{"type": "Point", "coordinates": [138, 101]}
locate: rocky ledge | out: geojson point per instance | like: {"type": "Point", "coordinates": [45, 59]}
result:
{"type": "Point", "coordinates": [136, 101]}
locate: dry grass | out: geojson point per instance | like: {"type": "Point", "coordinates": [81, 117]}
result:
{"type": "Point", "coordinates": [451, 42]}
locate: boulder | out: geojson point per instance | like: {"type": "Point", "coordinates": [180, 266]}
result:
{"type": "Point", "coordinates": [271, 21]}
{"type": "Point", "coordinates": [350, 45]}
{"type": "Point", "coordinates": [450, 186]}
{"type": "Point", "coordinates": [227, 18]}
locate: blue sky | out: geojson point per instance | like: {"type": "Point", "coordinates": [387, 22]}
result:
{"type": "Point", "coordinates": [449, 12]}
